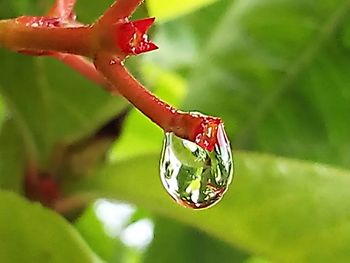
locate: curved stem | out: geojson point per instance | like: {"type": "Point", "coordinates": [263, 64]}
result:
{"type": "Point", "coordinates": [184, 125]}
{"type": "Point", "coordinates": [121, 9]}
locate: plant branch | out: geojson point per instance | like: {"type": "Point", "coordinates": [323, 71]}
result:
{"type": "Point", "coordinates": [41, 34]}
{"type": "Point", "coordinates": [62, 9]}
{"type": "Point", "coordinates": [120, 10]}
{"type": "Point", "coordinates": [108, 42]}
{"type": "Point", "coordinates": [191, 126]}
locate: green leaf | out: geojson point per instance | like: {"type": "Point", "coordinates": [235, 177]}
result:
{"type": "Point", "coordinates": [50, 103]}
{"type": "Point", "coordinates": [256, 260]}
{"type": "Point", "coordinates": [280, 75]}
{"type": "Point", "coordinates": [2, 111]}
{"type": "Point", "coordinates": [88, 11]}
{"type": "Point", "coordinates": [164, 11]}
{"type": "Point", "coordinates": [12, 159]}
{"type": "Point", "coordinates": [183, 40]}
{"type": "Point", "coordinates": [92, 230]}
{"type": "Point", "coordinates": [31, 233]}
{"type": "Point", "coordinates": [346, 33]}
{"type": "Point", "coordinates": [286, 210]}
{"type": "Point", "coordinates": [188, 244]}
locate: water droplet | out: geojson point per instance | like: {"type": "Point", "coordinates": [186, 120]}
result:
{"type": "Point", "coordinates": [112, 62]}
{"type": "Point", "coordinates": [195, 177]}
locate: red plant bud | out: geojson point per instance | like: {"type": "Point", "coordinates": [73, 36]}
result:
{"type": "Point", "coordinates": [132, 37]}
{"type": "Point", "coordinates": [42, 187]}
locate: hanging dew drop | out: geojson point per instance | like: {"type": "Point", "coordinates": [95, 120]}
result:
{"type": "Point", "coordinates": [196, 177]}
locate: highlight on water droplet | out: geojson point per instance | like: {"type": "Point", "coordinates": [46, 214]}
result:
{"type": "Point", "coordinates": [193, 176]}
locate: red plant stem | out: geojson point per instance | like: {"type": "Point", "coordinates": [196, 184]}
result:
{"type": "Point", "coordinates": [62, 9]}
{"type": "Point", "coordinates": [121, 9]}
{"type": "Point", "coordinates": [108, 42]}
{"type": "Point", "coordinates": [182, 124]}
{"type": "Point", "coordinates": [20, 37]}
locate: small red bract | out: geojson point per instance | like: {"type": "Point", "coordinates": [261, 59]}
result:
{"type": "Point", "coordinates": [131, 37]}
{"type": "Point", "coordinates": [111, 38]}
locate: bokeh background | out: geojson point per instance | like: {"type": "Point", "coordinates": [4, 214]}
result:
{"type": "Point", "coordinates": [276, 71]}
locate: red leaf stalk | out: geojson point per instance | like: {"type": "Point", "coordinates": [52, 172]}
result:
{"type": "Point", "coordinates": [107, 42]}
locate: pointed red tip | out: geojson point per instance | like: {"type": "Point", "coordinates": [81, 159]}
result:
{"type": "Point", "coordinates": [143, 25]}
{"type": "Point", "coordinates": [132, 38]}
{"type": "Point", "coordinates": [145, 46]}
{"type": "Point", "coordinates": [151, 46]}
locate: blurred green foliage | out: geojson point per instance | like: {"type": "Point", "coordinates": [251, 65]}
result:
{"type": "Point", "coordinates": [163, 11]}
{"type": "Point", "coordinates": [275, 71]}
{"type": "Point", "coordinates": [31, 233]}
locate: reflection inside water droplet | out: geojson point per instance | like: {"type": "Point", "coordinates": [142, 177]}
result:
{"type": "Point", "coordinates": [195, 177]}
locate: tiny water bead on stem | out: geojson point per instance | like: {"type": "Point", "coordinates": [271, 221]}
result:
{"type": "Point", "coordinates": [196, 165]}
